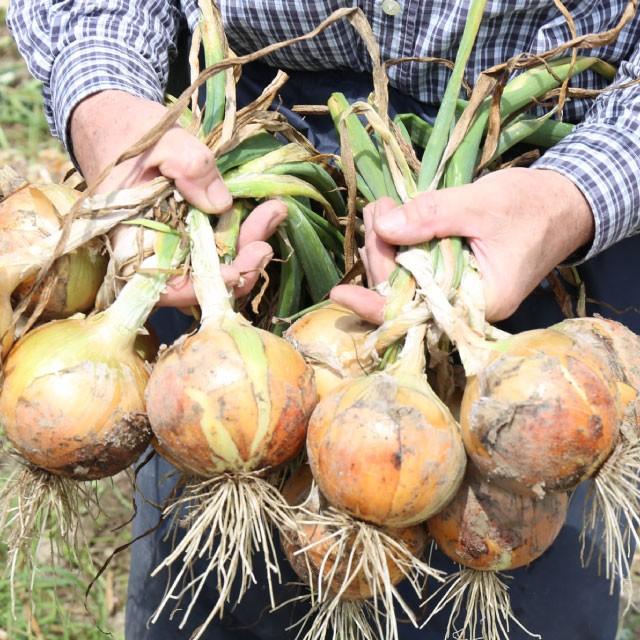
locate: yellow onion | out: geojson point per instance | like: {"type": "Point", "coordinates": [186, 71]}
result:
{"type": "Point", "coordinates": [313, 551]}
{"type": "Point", "coordinates": [486, 530]}
{"type": "Point", "coordinates": [38, 211]}
{"type": "Point", "coordinates": [226, 405]}
{"type": "Point", "coordinates": [28, 217]}
{"type": "Point", "coordinates": [230, 397]}
{"type": "Point", "coordinates": [72, 400]}
{"type": "Point", "coordinates": [542, 415]}
{"type": "Point", "coordinates": [331, 339]}
{"type": "Point", "coordinates": [384, 448]}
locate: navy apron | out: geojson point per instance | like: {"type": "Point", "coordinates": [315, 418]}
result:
{"type": "Point", "coordinates": [554, 596]}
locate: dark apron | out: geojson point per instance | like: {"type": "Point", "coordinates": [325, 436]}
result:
{"type": "Point", "coordinates": [555, 596]}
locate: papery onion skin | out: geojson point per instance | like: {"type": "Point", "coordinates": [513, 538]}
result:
{"type": "Point", "coordinates": [298, 489]}
{"type": "Point", "coordinates": [205, 412]}
{"type": "Point", "coordinates": [488, 528]}
{"type": "Point", "coordinates": [73, 404]}
{"type": "Point", "coordinates": [31, 215]}
{"type": "Point", "coordinates": [542, 415]}
{"type": "Point", "coordinates": [384, 451]}
{"type": "Point", "coordinates": [331, 339]}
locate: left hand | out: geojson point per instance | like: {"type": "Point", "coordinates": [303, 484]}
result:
{"type": "Point", "coordinates": [520, 224]}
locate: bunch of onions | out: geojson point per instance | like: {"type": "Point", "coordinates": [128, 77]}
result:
{"type": "Point", "coordinates": [27, 217]}
{"type": "Point", "coordinates": [541, 415]}
{"type": "Point", "coordinates": [331, 339]}
{"type": "Point", "coordinates": [72, 405]}
{"type": "Point", "coordinates": [386, 454]}
{"type": "Point", "coordinates": [487, 529]}
{"type": "Point", "coordinates": [327, 557]}
{"type": "Point", "coordinates": [613, 510]}
{"type": "Point", "coordinates": [227, 406]}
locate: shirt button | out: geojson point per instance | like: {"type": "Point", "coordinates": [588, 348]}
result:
{"type": "Point", "coordinates": [391, 7]}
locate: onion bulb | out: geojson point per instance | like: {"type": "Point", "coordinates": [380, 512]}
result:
{"type": "Point", "coordinates": [227, 404]}
{"type": "Point", "coordinates": [27, 217]}
{"type": "Point", "coordinates": [72, 406]}
{"type": "Point", "coordinates": [542, 415]}
{"type": "Point", "coordinates": [487, 529]}
{"type": "Point", "coordinates": [384, 448]}
{"type": "Point", "coordinates": [352, 571]}
{"type": "Point", "coordinates": [612, 513]}
{"type": "Point", "coordinates": [331, 340]}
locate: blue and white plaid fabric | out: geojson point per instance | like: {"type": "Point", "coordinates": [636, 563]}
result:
{"type": "Point", "coordinates": [79, 48]}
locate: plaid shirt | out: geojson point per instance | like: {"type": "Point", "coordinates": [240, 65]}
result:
{"type": "Point", "coordinates": [78, 48]}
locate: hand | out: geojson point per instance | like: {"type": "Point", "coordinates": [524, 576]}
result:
{"type": "Point", "coordinates": [106, 124]}
{"type": "Point", "coordinates": [520, 224]}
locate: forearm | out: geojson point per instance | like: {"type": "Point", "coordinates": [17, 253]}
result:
{"type": "Point", "coordinates": [77, 49]}
{"type": "Point", "coordinates": [602, 159]}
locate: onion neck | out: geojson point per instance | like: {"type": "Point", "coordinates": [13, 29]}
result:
{"type": "Point", "coordinates": [211, 291]}
{"type": "Point", "coordinates": [127, 315]}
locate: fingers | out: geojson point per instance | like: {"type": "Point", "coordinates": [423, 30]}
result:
{"type": "Point", "coordinates": [433, 214]}
{"type": "Point", "coordinates": [178, 293]}
{"type": "Point", "coordinates": [378, 256]}
{"type": "Point", "coordinates": [186, 160]}
{"type": "Point", "coordinates": [251, 259]}
{"type": "Point", "coordinates": [366, 303]}
{"type": "Point", "coordinates": [262, 222]}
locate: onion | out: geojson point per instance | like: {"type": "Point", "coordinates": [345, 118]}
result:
{"type": "Point", "coordinates": [351, 571]}
{"type": "Point", "coordinates": [487, 529]}
{"type": "Point", "coordinates": [72, 406]}
{"type": "Point", "coordinates": [27, 217]}
{"type": "Point", "coordinates": [69, 405]}
{"type": "Point", "coordinates": [612, 513]}
{"type": "Point", "coordinates": [384, 448]}
{"type": "Point", "coordinates": [226, 404]}
{"type": "Point", "coordinates": [542, 415]}
{"type": "Point", "coordinates": [331, 340]}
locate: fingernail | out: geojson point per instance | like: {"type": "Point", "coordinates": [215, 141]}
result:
{"type": "Point", "coordinates": [219, 196]}
{"type": "Point", "coordinates": [391, 222]}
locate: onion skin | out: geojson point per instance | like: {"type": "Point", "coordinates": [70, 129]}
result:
{"type": "Point", "coordinates": [203, 410]}
{"type": "Point", "coordinates": [34, 213]}
{"type": "Point", "coordinates": [542, 415]}
{"type": "Point", "coordinates": [488, 528]}
{"type": "Point", "coordinates": [331, 339]}
{"type": "Point", "coordinates": [620, 347]}
{"type": "Point", "coordinates": [70, 404]}
{"type": "Point", "coordinates": [297, 490]}
{"type": "Point", "coordinates": [384, 451]}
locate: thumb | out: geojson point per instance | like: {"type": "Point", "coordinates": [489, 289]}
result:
{"type": "Point", "coordinates": [432, 214]}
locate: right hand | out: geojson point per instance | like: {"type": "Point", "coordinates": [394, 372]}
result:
{"type": "Point", "coordinates": [106, 124]}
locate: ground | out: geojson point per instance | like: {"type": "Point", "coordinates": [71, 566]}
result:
{"type": "Point", "coordinates": [59, 610]}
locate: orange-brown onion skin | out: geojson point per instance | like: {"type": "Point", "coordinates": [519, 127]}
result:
{"type": "Point", "coordinates": [542, 415]}
{"type": "Point", "coordinates": [332, 340]}
{"type": "Point", "coordinates": [34, 213]}
{"type": "Point", "coordinates": [489, 528]}
{"type": "Point", "coordinates": [620, 347]}
{"type": "Point", "coordinates": [203, 410]}
{"type": "Point", "coordinates": [385, 452]}
{"type": "Point", "coordinates": [72, 414]}
{"type": "Point", "coordinates": [296, 490]}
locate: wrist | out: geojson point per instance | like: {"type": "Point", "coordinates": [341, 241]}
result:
{"type": "Point", "coordinates": [571, 224]}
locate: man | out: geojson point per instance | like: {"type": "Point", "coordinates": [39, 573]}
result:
{"type": "Point", "coordinates": [104, 65]}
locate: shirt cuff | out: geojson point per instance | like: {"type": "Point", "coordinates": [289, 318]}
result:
{"type": "Point", "coordinates": [603, 161]}
{"type": "Point", "coordinates": [90, 65]}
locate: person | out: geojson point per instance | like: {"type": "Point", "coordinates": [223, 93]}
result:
{"type": "Point", "coordinates": [105, 66]}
